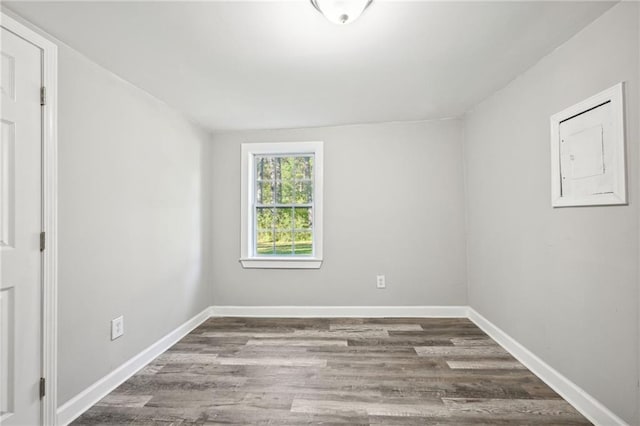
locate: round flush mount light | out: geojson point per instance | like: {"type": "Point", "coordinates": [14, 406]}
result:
{"type": "Point", "coordinates": [341, 11]}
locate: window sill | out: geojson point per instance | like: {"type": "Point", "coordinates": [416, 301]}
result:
{"type": "Point", "coordinates": [281, 263]}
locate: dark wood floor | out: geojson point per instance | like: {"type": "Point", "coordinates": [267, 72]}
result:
{"type": "Point", "coordinates": [387, 371]}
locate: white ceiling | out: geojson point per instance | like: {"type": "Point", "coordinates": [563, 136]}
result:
{"type": "Point", "coordinates": [257, 65]}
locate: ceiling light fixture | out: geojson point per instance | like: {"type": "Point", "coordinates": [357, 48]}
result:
{"type": "Point", "coordinates": [341, 11]}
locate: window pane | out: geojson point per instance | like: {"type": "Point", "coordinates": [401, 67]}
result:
{"type": "Point", "coordinates": [284, 243]}
{"type": "Point", "coordinates": [264, 168]}
{"type": "Point", "coordinates": [264, 218]}
{"type": "Point", "coordinates": [303, 243]}
{"type": "Point", "coordinates": [276, 168]}
{"type": "Point", "coordinates": [303, 218]}
{"type": "Point", "coordinates": [283, 218]}
{"type": "Point", "coordinates": [284, 192]}
{"type": "Point", "coordinates": [286, 168]}
{"type": "Point", "coordinates": [264, 193]}
{"type": "Point", "coordinates": [303, 169]}
{"type": "Point", "coordinates": [265, 242]}
{"type": "Point", "coordinates": [303, 192]}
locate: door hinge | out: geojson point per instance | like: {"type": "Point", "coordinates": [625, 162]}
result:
{"type": "Point", "coordinates": [42, 241]}
{"type": "Point", "coordinates": [43, 96]}
{"type": "Point", "coordinates": [43, 384]}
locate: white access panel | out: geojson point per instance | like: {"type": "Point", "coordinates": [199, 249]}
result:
{"type": "Point", "coordinates": [587, 144]}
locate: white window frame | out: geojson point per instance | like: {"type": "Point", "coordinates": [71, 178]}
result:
{"type": "Point", "coordinates": [248, 259]}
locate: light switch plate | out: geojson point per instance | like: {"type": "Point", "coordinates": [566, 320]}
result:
{"type": "Point", "coordinates": [117, 327]}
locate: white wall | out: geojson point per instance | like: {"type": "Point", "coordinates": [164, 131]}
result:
{"type": "Point", "coordinates": [563, 282]}
{"type": "Point", "coordinates": [393, 205]}
{"type": "Point", "coordinates": [133, 213]}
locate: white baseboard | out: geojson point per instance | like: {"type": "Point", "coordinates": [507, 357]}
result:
{"type": "Point", "coordinates": [340, 311]}
{"type": "Point", "coordinates": [587, 405]}
{"type": "Point", "coordinates": [94, 393]}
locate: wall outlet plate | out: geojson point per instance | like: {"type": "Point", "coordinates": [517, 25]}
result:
{"type": "Point", "coordinates": [380, 282]}
{"type": "Point", "coordinates": [117, 327]}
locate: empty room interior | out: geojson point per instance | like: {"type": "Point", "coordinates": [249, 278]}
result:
{"type": "Point", "coordinates": [320, 212]}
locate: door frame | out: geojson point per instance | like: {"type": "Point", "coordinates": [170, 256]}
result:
{"type": "Point", "coordinates": [49, 259]}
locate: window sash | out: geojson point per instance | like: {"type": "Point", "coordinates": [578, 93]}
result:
{"type": "Point", "coordinates": [292, 230]}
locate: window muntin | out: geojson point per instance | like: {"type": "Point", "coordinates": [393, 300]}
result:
{"type": "Point", "coordinates": [283, 205]}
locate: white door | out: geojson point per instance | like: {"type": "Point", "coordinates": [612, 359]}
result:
{"type": "Point", "coordinates": [20, 226]}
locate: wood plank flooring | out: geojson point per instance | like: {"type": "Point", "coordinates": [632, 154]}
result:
{"type": "Point", "coordinates": [385, 371]}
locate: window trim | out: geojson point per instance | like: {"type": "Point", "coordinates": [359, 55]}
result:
{"type": "Point", "coordinates": [247, 257]}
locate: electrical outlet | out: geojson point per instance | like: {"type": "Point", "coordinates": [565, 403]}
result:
{"type": "Point", "coordinates": [117, 327]}
{"type": "Point", "coordinates": [380, 283]}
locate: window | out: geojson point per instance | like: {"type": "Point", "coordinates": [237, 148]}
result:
{"type": "Point", "coordinates": [282, 205]}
